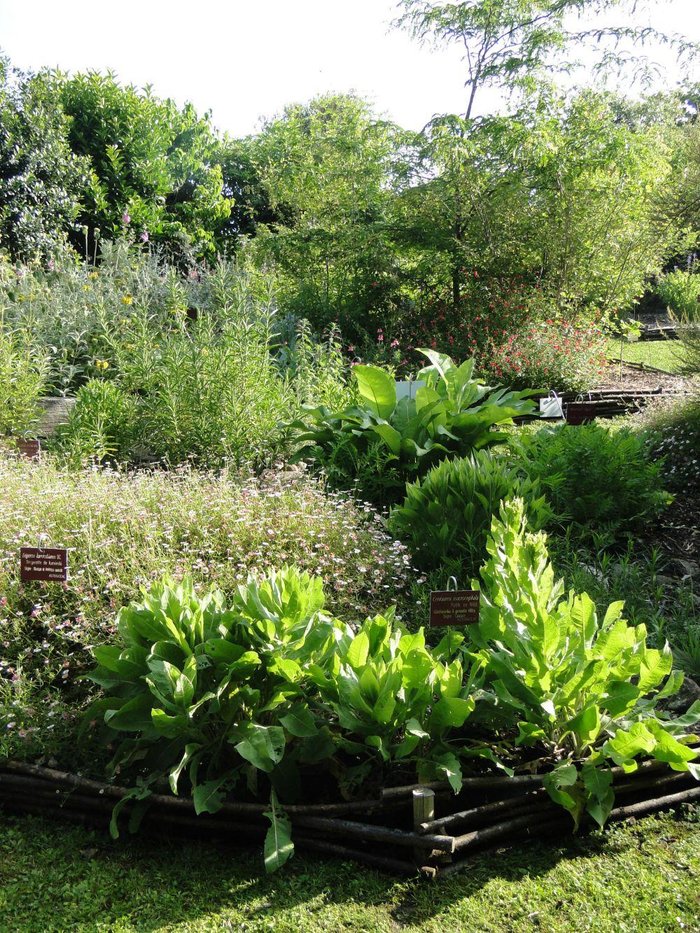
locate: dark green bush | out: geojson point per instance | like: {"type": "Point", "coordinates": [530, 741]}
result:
{"type": "Point", "coordinates": [447, 515]}
{"type": "Point", "coordinates": [597, 479]}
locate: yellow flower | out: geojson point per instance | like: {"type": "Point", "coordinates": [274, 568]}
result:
{"type": "Point", "coordinates": [127, 300]}
{"type": "Point", "coordinates": [86, 288]}
{"type": "Point", "coordinates": [93, 275]}
{"type": "Point", "coordinates": [102, 364]}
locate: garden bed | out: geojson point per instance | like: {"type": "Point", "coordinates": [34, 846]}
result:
{"type": "Point", "coordinates": [398, 831]}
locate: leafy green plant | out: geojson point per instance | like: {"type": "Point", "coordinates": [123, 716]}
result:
{"type": "Point", "coordinates": [249, 693]}
{"type": "Point", "coordinates": [680, 292]}
{"type": "Point", "coordinates": [451, 415]}
{"type": "Point", "coordinates": [211, 693]}
{"type": "Point", "coordinates": [22, 382]}
{"type": "Point", "coordinates": [593, 477]}
{"type": "Point", "coordinates": [446, 516]}
{"type": "Point", "coordinates": [581, 689]}
{"type": "Point", "coordinates": [101, 427]}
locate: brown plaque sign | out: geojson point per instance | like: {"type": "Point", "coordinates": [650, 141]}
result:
{"type": "Point", "coordinates": [582, 412]}
{"type": "Point", "coordinates": [455, 607]}
{"type": "Point", "coordinates": [43, 563]}
{"type": "Point", "coordinates": [29, 449]}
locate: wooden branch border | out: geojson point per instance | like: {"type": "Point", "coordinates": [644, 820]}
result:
{"type": "Point", "coordinates": [379, 832]}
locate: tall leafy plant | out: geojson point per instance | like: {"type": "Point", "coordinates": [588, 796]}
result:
{"type": "Point", "coordinates": [452, 414]}
{"type": "Point", "coordinates": [583, 690]}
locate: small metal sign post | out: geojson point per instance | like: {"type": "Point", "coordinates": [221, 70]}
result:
{"type": "Point", "coordinates": [43, 563]}
{"type": "Point", "coordinates": [453, 606]}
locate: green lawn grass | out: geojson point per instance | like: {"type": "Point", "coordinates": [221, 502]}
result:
{"type": "Point", "coordinates": [662, 354]}
{"type": "Point", "coordinates": [641, 876]}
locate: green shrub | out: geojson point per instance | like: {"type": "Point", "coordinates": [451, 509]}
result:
{"type": "Point", "coordinates": [680, 292]}
{"type": "Point", "coordinates": [22, 383]}
{"type": "Point", "coordinates": [207, 392]}
{"type": "Point", "coordinates": [380, 443]}
{"type": "Point", "coordinates": [583, 691]}
{"type": "Point", "coordinates": [446, 516]}
{"type": "Point", "coordinates": [102, 425]}
{"type": "Point", "coordinates": [594, 478]}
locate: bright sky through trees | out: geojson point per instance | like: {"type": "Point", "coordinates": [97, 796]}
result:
{"type": "Point", "coordinates": [244, 60]}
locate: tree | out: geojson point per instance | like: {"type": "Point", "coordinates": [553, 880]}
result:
{"type": "Point", "coordinates": [40, 178]}
{"type": "Point", "coordinates": [508, 42]}
{"type": "Point", "coordinates": [327, 168]}
{"type": "Point", "coordinates": [153, 165]}
{"type": "Point", "coordinates": [561, 194]}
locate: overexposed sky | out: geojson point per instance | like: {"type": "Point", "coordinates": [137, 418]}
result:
{"type": "Point", "coordinates": [247, 59]}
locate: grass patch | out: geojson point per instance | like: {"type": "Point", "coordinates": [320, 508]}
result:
{"type": "Point", "coordinates": [661, 354]}
{"type": "Point", "coordinates": [640, 876]}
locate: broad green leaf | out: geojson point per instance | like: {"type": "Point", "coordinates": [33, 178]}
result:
{"type": "Point", "coordinates": [624, 747]}
{"type": "Point", "coordinates": [134, 716]}
{"type": "Point", "coordinates": [417, 668]}
{"type": "Point", "coordinates": [529, 733]}
{"type": "Point", "coordinates": [655, 666]}
{"type": "Point", "coordinates": [385, 706]}
{"type": "Point", "coordinates": [451, 712]}
{"type": "Point", "coordinates": [172, 727]}
{"type": "Point", "coordinates": [358, 651]}
{"type": "Point", "coordinates": [585, 725]}
{"type": "Point", "coordinates": [208, 797]}
{"type": "Point", "coordinates": [299, 721]}
{"type": "Point", "coordinates": [669, 749]}
{"type": "Point", "coordinates": [278, 839]}
{"type": "Point", "coordinates": [377, 388]}
{"type": "Point", "coordinates": [287, 668]}
{"type": "Point", "coordinates": [136, 794]}
{"type": "Point", "coordinates": [563, 787]}
{"type": "Point", "coordinates": [601, 796]}
{"type": "Point", "coordinates": [263, 746]}
{"type": "Point", "coordinates": [221, 650]}
{"type": "Point", "coordinates": [448, 765]}
{"type": "Point", "coordinates": [620, 696]}
{"type": "Point", "coordinates": [390, 436]}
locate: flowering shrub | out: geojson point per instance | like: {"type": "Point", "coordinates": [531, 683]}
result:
{"type": "Point", "coordinates": [551, 354]}
{"type": "Point", "coordinates": [128, 531]}
{"type": "Point", "coordinates": [517, 333]}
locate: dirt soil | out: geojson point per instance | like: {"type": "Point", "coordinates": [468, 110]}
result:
{"type": "Point", "coordinates": [628, 378]}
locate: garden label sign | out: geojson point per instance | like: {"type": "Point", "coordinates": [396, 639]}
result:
{"type": "Point", "coordinates": [454, 607]}
{"type": "Point", "coordinates": [43, 563]}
